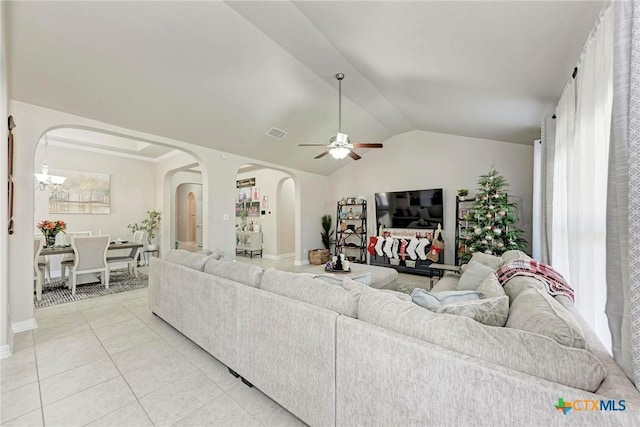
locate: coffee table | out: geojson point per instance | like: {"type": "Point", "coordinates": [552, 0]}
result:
{"type": "Point", "coordinates": [381, 277]}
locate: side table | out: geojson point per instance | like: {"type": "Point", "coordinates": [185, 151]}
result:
{"type": "Point", "coordinates": [147, 253]}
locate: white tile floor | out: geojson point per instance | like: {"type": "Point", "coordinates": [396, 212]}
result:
{"type": "Point", "coordinates": [109, 361]}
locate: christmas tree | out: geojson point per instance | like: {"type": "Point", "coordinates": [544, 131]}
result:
{"type": "Point", "coordinates": [491, 219]}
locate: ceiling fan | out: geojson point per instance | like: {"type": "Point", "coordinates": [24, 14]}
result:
{"type": "Point", "coordinates": [340, 146]}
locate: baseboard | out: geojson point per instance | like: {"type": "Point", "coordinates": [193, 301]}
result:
{"type": "Point", "coordinates": [5, 351]}
{"type": "Point", "coordinates": [25, 325]}
{"type": "Point", "coordinates": [303, 262]}
{"type": "Point", "coordinates": [278, 257]}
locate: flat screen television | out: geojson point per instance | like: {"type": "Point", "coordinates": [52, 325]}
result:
{"type": "Point", "coordinates": [419, 209]}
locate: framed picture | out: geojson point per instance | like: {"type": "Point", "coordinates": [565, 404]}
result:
{"type": "Point", "coordinates": [351, 200]}
{"type": "Point", "coordinates": [81, 193]}
{"type": "Point", "coordinates": [244, 194]}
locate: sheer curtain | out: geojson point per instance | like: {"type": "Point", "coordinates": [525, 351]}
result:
{"type": "Point", "coordinates": [578, 246]}
{"type": "Point", "coordinates": [623, 201]}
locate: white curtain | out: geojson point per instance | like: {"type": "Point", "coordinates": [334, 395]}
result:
{"type": "Point", "coordinates": [623, 202]}
{"type": "Point", "coordinates": [580, 176]}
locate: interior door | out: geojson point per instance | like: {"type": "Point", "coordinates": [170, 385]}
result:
{"type": "Point", "coordinates": [199, 224]}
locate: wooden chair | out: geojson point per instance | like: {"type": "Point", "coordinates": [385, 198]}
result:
{"type": "Point", "coordinates": [90, 257]}
{"type": "Point", "coordinates": [38, 267]}
{"type": "Point", "coordinates": [132, 262]}
{"type": "Point", "coordinates": [68, 259]}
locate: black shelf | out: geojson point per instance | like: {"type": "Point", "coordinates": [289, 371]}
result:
{"type": "Point", "coordinates": [353, 243]}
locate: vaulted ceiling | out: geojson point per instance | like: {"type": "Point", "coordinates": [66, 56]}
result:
{"type": "Point", "coordinates": [220, 74]}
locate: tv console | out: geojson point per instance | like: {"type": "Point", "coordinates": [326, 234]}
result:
{"type": "Point", "coordinates": [408, 265]}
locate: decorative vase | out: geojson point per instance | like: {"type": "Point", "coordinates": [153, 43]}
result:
{"type": "Point", "coordinates": [50, 240]}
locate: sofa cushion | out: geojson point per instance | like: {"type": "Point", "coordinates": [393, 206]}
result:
{"type": "Point", "coordinates": [240, 272]}
{"type": "Point", "coordinates": [187, 259]}
{"type": "Point", "coordinates": [488, 311]}
{"type": "Point", "coordinates": [491, 288]}
{"type": "Point", "coordinates": [448, 282]}
{"type": "Point", "coordinates": [433, 300]}
{"type": "Point", "coordinates": [513, 254]}
{"type": "Point", "coordinates": [536, 311]}
{"type": "Point", "coordinates": [516, 285]}
{"type": "Point", "coordinates": [473, 276]}
{"type": "Point", "coordinates": [515, 349]}
{"type": "Point", "coordinates": [305, 288]}
{"type": "Point", "coordinates": [215, 253]}
{"type": "Point", "coordinates": [492, 261]}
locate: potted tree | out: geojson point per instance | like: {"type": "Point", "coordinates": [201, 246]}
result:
{"type": "Point", "coordinates": [150, 225]}
{"type": "Point", "coordinates": [321, 256]}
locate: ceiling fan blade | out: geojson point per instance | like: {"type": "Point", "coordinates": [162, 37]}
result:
{"type": "Point", "coordinates": [367, 145]}
{"type": "Point", "coordinates": [354, 156]}
{"type": "Point", "coordinates": [312, 145]}
{"type": "Point", "coordinates": [321, 155]}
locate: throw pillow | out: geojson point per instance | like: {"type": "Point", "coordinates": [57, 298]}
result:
{"type": "Point", "coordinates": [513, 254]}
{"type": "Point", "coordinates": [433, 301]}
{"type": "Point", "coordinates": [536, 311]}
{"type": "Point", "coordinates": [491, 287]}
{"type": "Point", "coordinates": [473, 276]}
{"type": "Point", "coordinates": [488, 311]}
{"type": "Point", "coordinates": [492, 261]}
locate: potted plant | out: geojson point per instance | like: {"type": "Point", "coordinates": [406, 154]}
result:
{"type": "Point", "coordinates": [463, 193]}
{"type": "Point", "coordinates": [321, 256]}
{"type": "Point", "coordinates": [150, 225]}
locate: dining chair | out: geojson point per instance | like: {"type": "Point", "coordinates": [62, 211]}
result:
{"type": "Point", "coordinates": [67, 259]}
{"type": "Point", "coordinates": [90, 257]}
{"type": "Point", "coordinates": [38, 268]}
{"type": "Point", "coordinates": [44, 259]}
{"type": "Point", "coordinates": [132, 262]}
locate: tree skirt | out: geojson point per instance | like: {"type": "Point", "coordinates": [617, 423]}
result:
{"type": "Point", "coordinates": [57, 292]}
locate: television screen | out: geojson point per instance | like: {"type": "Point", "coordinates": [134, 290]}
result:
{"type": "Point", "coordinates": [421, 209]}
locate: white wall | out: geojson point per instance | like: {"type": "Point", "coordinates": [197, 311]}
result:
{"type": "Point", "coordinates": [133, 190]}
{"type": "Point", "coordinates": [273, 230]}
{"type": "Point", "coordinates": [5, 334]}
{"type": "Point", "coordinates": [422, 160]}
{"type": "Point", "coordinates": [286, 216]}
{"type": "Point", "coordinates": [182, 206]}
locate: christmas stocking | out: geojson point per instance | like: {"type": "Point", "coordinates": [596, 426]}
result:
{"type": "Point", "coordinates": [387, 247]}
{"type": "Point", "coordinates": [421, 249]}
{"type": "Point", "coordinates": [411, 249]}
{"type": "Point", "coordinates": [403, 249]}
{"type": "Point", "coordinates": [434, 252]}
{"type": "Point", "coordinates": [372, 245]}
{"type": "Point", "coordinates": [394, 248]}
{"type": "Point", "coordinates": [379, 246]}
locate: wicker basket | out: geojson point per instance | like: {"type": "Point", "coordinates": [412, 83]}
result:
{"type": "Point", "coordinates": [318, 256]}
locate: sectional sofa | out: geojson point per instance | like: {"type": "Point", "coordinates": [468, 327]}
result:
{"type": "Point", "coordinates": [335, 352]}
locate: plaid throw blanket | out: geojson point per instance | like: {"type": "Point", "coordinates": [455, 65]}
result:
{"type": "Point", "coordinates": [553, 281]}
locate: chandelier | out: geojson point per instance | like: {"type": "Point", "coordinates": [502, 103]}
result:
{"type": "Point", "coordinates": [44, 180]}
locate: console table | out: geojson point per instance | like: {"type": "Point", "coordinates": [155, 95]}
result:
{"type": "Point", "coordinates": [248, 242]}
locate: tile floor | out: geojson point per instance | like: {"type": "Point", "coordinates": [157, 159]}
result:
{"type": "Point", "coordinates": [109, 361]}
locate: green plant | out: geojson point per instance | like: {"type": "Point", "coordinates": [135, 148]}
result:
{"type": "Point", "coordinates": [326, 231]}
{"type": "Point", "coordinates": [463, 192]}
{"type": "Point", "coordinates": [150, 224]}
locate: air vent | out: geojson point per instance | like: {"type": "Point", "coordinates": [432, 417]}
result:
{"type": "Point", "coordinates": [276, 133]}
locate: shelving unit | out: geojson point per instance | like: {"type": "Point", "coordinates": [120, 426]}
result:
{"type": "Point", "coordinates": [462, 226]}
{"type": "Point", "coordinates": [351, 238]}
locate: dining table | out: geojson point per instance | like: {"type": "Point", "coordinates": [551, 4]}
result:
{"type": "Point", "coordinates": [67, 249]}
{"type": "Point", "coordinates": [90, 277]}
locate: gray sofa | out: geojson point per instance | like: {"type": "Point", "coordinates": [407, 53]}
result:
{"type": "Point", "coordinates": [347, 355]}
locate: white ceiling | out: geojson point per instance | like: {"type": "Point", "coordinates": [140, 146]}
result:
{"type": "Point", "coordinates": [220, 74]}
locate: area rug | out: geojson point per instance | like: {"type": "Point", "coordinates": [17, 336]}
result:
{"type": "Point", "coordinates": [56, 292]}
{"type": "Point", "coordinates": [405, 288]}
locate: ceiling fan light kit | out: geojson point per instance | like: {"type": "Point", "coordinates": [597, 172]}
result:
{"type": "Point", "coordinates": [340, 146]}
